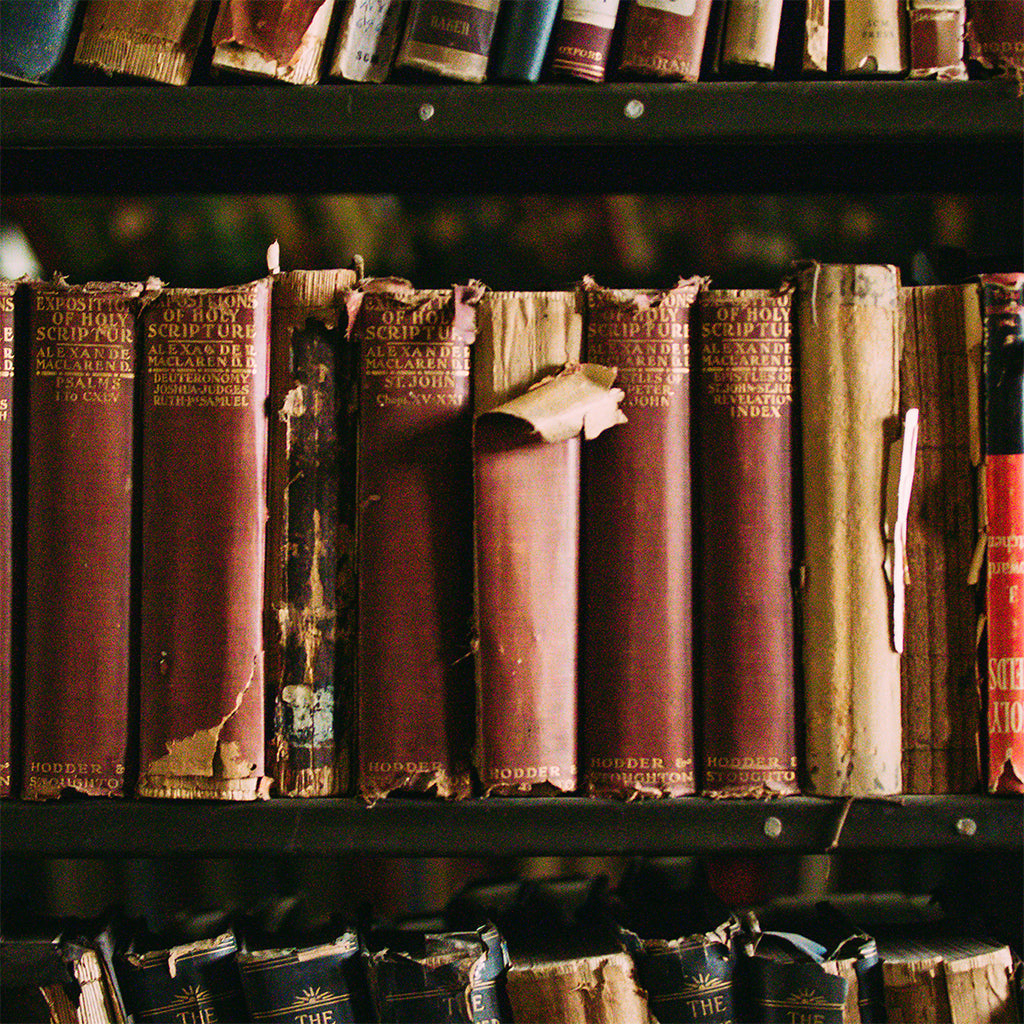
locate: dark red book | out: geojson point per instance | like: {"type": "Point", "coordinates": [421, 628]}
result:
{"type": "Point", "coordinates": [744, 487]}
{"type": "Point", "coordinates": [995, 34]}
{"type": "Point", "coordinates": [415, 536]}
{"type": "Point", "coordinates": [582, 39]}
{"type": "Point", "coordinates": [81, 370]}
{"type": "Point", "coordinates": [204, 459]}
{"type": "Point", "coordinates": [636, 642]}
{"type": "Point", "coordinates": [664, 39]}
{"type": "Point", "coordinates": [7, 293]}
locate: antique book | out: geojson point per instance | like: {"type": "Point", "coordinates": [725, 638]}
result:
{"type": "Point", "coordinates": [948, 980]}
{"type": "Point", "coordinates": [1002, 310]}
{"type": "Point", "coordinates": [414, 536]}
{"type": "Point", "coordinates": [940, 705]}
{"type": "Point", "coordinates": [367, 40]}
{"type": "Point", "coordinates": [527, 489]}
{"type": "Point", "coordinates": [582, 39]}
{"type": "Point", "coordinates": [848, 325]}
{"type": "Point", "coordinates": [310, 584]}
{"type": "Point", "coordinates": [35, 36]}
{"type": "Point", "coordinates": [665, 38]}
{"type": "Point", "coordinates": [447, 38]}
{"type": "Point", "coordinates": [153, 39]}
{"type": "Point", "coordinates": [995, 39]}
{"type": "Point", "coordinates": [744, 490]}
{"type": "Point", "coordinates": [816, 21]}
{"type": "Point", "coordinates": [521, 40]}
{"type": "Point", "coordinates": [204, 459]}
{"type": "Point", "coordinates": [875, 37]}
{"type": "Point", "coordinates": [8, 291]}
{"type": "Point", "coordinates": [81, 370]}
{"type": "Point", "coordinates": [636, 605]}
{"type": "Point", "coordinates": [936, 39]}
{"type": "Point", "coordinates": [269, 39]}
{"type": "Point", "coordinates": [195, 981]}
{"type": "Point", "coordinates": [751, 35]}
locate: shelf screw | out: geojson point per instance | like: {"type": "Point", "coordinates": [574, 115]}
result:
{"type": "Point", "coordinates": [772, 827]}
{"type": "Point", "coordinates": [966, 826]}
{"type": "Point", "coordinates": [426, 111]}
{"type": "Point", "coordinates": [634, 109]}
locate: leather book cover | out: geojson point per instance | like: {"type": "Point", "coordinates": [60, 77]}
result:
{"type": "Point", "coordinates": [81, 370]}
{"type": "Point", "coordinates": [995, 38]}
{"type": "Point", "coordinates": [269, 39]}
{"type": "Point", "coordinates": [875, 37]}
{"type": "Point", "coordinates": [204, 458]}
{"type": "Point", "coordinates": [521, 40]}
{"type": "Point", "coordinates": [941, 709]}
{"type": "Point", "coordinates": [367, 39]}
{"type": "Point", "coordinates": [636, 607]}
{"type": "Point", "coordinates": [153, 39]}
{"type": "Point", "coordinates": [310, 585]}
{"type": "Point", "coordinates": [448, 38]}
{"type": "Point", "coordinates": [583, 39]}
{"type": "Point", "coordinates": [665, 38]}
{"type": "Point", "coordinates": [8, 290]}
{"type": "Point", "coordinates": [527, 549]}
{"type": "Point", "coordinates": [751, 35]}
{"type": "Point", "coordinates": [936, 39]}
{"type": "Point", "coordinates": [1002, 317]}
{"type": "Point", "coordinates": [745, 455]}
{"type": "Point", "coordinates": [35, 35]}
{"type": "Point", "coordinates": [848, 326]}
{"type": "Point", "coordinates": [414, 536]}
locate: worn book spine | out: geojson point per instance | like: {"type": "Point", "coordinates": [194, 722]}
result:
{"type": "Point", "coordinates": [521, 40]}
{"type": "Point", "coordinates": [152, 39]}
{"type": "Point", "coordinates": [367, 40]}
{"type": "Point", "coordinates": [816, 20]}
{"type": "Point", "coordinates": [781, 992]}
{"type": "Point", "coordinates": [665, 38]}
{"type": "Point", "coordinates": [8, 290]}
{"type": "Point", "coordinates": [449, 38]}
{"type": "Point", "coordinates": [936, 39]}
{"type": "Point", "coordinates": [36, 34]}
{"type": "Point", "coordinates": [204, 460]}
{"type": "Point", "coordinates": [81, 369]}
{"type": "Point", "coordinates": [272, 40]}
{"type": "Point", "coordinates": [414, 536]}
{"type": "Point", "coordinates": [583, 39]}
{"type": "Point", "coordinates": [941, 712]}
{"type": "Point", "coordinates": [636, 608]}
{"type": "Point", "coordinates": [751, 35]}
{"type": "Point", "coordinates": [310, 585]}
{"type": "Point", "coordinates": [995, 39]}
{"type": "Point", "coordinates": [1003, 312]}
{"type": "Point", "coordinates": [848, 325]}
{"type": "Point", "coordinates": [875, 37]}
{"type": "Point", "coordinates": [744, 403]}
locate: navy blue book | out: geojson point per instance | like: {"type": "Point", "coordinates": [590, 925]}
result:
{"type": "Point", "coordinates": [33, 37]}
{"type": "Point", "coordinates": [522, 36]}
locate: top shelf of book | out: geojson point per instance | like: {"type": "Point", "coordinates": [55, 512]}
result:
{"type": "Point", "coordinates": [859, 136]}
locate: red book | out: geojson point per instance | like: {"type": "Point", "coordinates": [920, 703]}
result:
{"type": "Point", "coordinates": [204, 514]}
{"type": "Point", "coordinates": [81, 369]}
{"type": "Point", "coordinates": [636, 673]}
{"type": "Point", "coordinates": [7, 293]}
{"type": "Point", "coordinates": [583, 39]}
{"type": "Point", "coordinates": [665, 38]}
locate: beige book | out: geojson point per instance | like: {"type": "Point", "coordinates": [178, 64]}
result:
{"type": "Point", "coordinates": [367, 40]}
{"type": "Point", "coordinates": [875, 37]}
{"type": "Point", "coordinates": [752, 33]}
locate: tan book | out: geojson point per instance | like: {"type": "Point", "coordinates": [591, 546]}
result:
{"type": "Point", "coordinates": [875, 37]}
{"type": "Point", "coordinates": [367, 40]}
{"type": "Point", "coordinates": [751, 33]}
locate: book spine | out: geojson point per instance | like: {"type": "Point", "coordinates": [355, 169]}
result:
{"type": "Point", "coordinates": [81, 368]}
{"type": "Point", "coordinates": [994, 37]}
{"type": "Point", "coordinates": [527, 544]}
{"type": "Point", "coordinates": [915, 990]}
{"type": "Point", "coordinates": [367, 40]}
{"type": "Point", "coordinates": [583, 39]}
{"type": "Point", "coordinates": [153, 39]}
{"type": "Point", "coordinates": [786, 992]}
{"type": "Point", "coordinates": [521, 40]}
{"type": "Point", "coordinates": [665, 38]}
{"type": "Point", "coordinates": [751, 34]}
{"type": "Point", "coordinates": [203, 543]}
{"type": "Point", "coordinates": [449, 39]}
{"type": "Point", "coordinates": [414, 537]}
{"type": "Point", "coordinates": [847, 322]}
{"type": "Point", "coordinates": [636, 644]}
{"type": "Point", "coordinates": [745, 447]}
{"type": "Point", "coordinates": [875, 37]}
{"type": "Point", "coordinates": [7, 327]}
{"type": "Point", "coordinates": [936, 39]}
{"type": "Point", "coordinates": [983, 988]}
{"type": "Point", "coordinates": [310, 586]}
{"type": "Point", "coordinates": [941, 712]}
{"type": "Point", "coordinates": [35, 36]}
{"type": "Point", "coordinates": [1003, 312]}
{"type": "Point", "coordinates": [688, 979]}
{"type": "Point", "coordinates": [816, 18]}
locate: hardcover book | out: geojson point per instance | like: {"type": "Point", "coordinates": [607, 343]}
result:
{"type": "Point", "coordinates": [367, 40]}
{"type": "Point", "coordinates": [636, 608]}
{"type": "Point", "coordinates": [153, 39]}
{"type": "Point", "coordinates": [745, 457]}
{"type": "Point", "coordinates": [875, 37]}
{"type": "Point", "coordinates": [8, 290]}
{"type": "Point", "coordinates": [310, 585]}
{"type": "Point", "coordinates": [81, 369]}
{"type": "Point", "coordinates": [452, 39]}
{"type": "Point", "coordinates": [35, 35]}
{"type": "Point", "coordinates": [751, 35]}
{"type": "Point", "coordinates": [583, 39]}
{"type": "Point", "coordinates": [995, 39]}
{"type": "Point", "coordinates": [665, 38]}
{"type": "Point", "coordinates": [521, 40]}
{"type": "Point", "coordinates": [936, 39]}
{"type": "Point", "coordinates": [204, 422]}
{"type": "Point", "coordinates": [848, 325]}
{"type": "Point", "coordinates": [414, 536]}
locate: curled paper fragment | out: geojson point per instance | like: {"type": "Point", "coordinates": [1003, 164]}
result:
{"type": "Point", "coordinates": [580, 398]}
{"type": "Point", "coordinates": [902, 462]}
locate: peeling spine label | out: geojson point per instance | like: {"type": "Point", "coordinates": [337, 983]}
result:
{"type": "Point", "coordinates": [902, 462]}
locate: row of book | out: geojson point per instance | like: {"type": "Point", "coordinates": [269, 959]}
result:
{"type": "Point", "coordinates": [175, 41]}
{"type": "Point", "coordinates": [341, 532]}
{"type": "Point", "coordinates": [549, 959]}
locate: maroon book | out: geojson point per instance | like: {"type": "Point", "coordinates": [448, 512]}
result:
{"type": "Point", "coordinates": [636, 604]}
{"type": "Point", "coordinates": [81, 370]}
{"type": "Point", "coordinates": [7, 293]}
{"type": "Point", "coordinates": [414, 537]}
{"type": "Point", "coordinates": [204, 424]}
{"type": "Point", "coordinates": [995, 34]}
{"type": "Point", "coordinates": [665, 39]}
{"type": "Point", "coordinates": [583, 39]}
{"type": "Point", "coordinates": [744, 487]}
